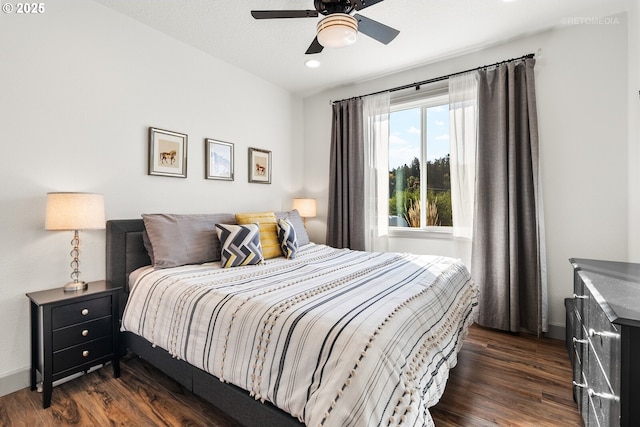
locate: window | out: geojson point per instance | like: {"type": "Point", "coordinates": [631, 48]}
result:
{"type": "Point", "coordinates": [419, 174]}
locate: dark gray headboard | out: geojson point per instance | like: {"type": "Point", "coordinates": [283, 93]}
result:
{"type": "Point", "coordinates": [125, 250]}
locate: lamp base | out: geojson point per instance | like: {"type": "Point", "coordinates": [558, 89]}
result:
{"type": "Point", "coordinates": [75, 286]}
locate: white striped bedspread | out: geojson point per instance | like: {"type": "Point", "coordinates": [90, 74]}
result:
{"type": "Point", "coordinates": [334, 337]}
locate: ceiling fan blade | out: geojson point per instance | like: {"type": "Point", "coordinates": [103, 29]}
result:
{"type": "Point", "coordinates": [315, 47]}
{"type": "Point", "coordinates": [375, 29]}
{"type": "Point", "coordinates": [361, 4]}
{"type": "Point", "coordinates": [276, 14]}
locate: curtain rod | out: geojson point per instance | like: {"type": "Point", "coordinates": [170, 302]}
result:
{"type": "Point", "coordinates": [438, 79]}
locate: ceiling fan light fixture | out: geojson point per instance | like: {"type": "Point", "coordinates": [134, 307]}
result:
{"type": "Point", "coordinates": [337, 30]}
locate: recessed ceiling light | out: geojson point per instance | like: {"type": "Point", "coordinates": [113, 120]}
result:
{"type": "Point", "coordinates": [312, 63]}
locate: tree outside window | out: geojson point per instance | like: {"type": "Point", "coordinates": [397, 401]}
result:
{"type": "Point", "coordinates": [420, 197]}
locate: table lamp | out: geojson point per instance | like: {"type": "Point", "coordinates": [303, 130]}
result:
{"type": "Point", "coordinates": [307, 208]}
{"type": "Point", "coordinates": [74, 212]}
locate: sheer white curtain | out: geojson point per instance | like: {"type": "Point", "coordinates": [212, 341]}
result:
{"type": "Point", "coordinates": [375, 111]}
{"type": "Point", "coordinates": [463, 129]}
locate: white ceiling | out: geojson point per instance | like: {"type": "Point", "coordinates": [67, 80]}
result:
{"type": "Point", "coordinates": [430, 30]}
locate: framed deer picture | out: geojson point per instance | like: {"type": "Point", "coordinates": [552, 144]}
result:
{"type": "Point", "coordinates": [167, 153]}
{"type": "Point", "coordinates": [259, 166]}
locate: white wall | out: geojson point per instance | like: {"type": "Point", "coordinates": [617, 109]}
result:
{"type": "Point", "coordinates": [79, 87]}
{"type": "Point", "coordinates": [581, 82]}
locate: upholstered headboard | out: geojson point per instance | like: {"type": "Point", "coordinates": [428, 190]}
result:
{"type": "Point", "coordinates": [125, 250]}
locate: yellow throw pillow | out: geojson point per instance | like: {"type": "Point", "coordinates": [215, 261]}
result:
{"type": "Point", "coordinates": [268, 231]}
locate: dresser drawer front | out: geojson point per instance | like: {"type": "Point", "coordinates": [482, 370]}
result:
{"type": "Point", "coordinates": [591, 414]}
{"type": "Point", "coordinates": [583, 346]}
{"type": "Point", "coordinates": [81, 311]}
{"type": "Point", "coordinates": [81, 333]}
{"type": "Point", "coordinates": [81, 354]}
{"type": "Point", "coordinates": [581, 296]}
{"type": "Point", "coordinates": [602, 398]}
{"type": "Point", "coordinates": [580, 394]}
{"type": "Point", "coordinates": [604, 339]}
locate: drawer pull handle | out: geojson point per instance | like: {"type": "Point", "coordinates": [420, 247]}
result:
{"type": "Point", "coordinates": [85, 332]}
{"type": "Point", "coordinates": [576, 296]}
{"type": "Point", "coordinates": [605, 334]}
{"type": "Point", "coordinates": [577, 341]}
{"type": "Point", "coordinates": [85, 353]}
{"type": "Point", "coordinates": [85, 311]}
{"type": "Point", "coordinates": [606, 396]}
{"type": "Point", "coordinates": [575, 384]}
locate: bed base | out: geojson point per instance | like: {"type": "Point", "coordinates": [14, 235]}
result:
{"type": "Point", "coordinates": [125, 253]}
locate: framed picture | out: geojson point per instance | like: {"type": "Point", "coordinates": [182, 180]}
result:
{"type": "Point", "coordinates": [218, 160]}
{"type": "Point", "coordinates": [259, 166]}
{"type": "Point", "coordinates": [167, 153]}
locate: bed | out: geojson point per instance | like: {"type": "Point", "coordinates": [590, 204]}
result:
{"type": "Point", "coordinates": [331, 337]}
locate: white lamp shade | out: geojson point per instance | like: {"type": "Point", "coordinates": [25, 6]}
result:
{"type": "Point", "coordinates": [305, 207]}
{"type": "Point", "coordinates": [337, 30]}
{"type": "Point", "coordinates": [74, 211]}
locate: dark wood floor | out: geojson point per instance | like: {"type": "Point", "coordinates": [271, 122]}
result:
{"type": "Point", "coordinates": [508, 380]}
{"type": "Point", "coordinates": [501, 379]}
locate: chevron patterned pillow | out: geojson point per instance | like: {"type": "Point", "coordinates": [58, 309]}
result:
{"type": "Point", "coordinates": [240, 244]}
{"type": "Point", "coordinates": [287, 238]}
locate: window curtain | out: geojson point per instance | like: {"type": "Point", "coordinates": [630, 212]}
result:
{"type": "Point", "coordinates": [508, 251]}
{"type": "Point", "coordinates": [376, 171]}
{"type": "Point", "coordinates": [345, 215]}
{"type": "Point", "coordinates": [463, 129]}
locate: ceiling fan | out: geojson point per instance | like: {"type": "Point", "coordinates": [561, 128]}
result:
{"type": "Point", "coordinates": [339, 26]}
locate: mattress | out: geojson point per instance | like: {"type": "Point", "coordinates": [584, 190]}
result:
{"type": "Point", "coordinates": [335, 337]}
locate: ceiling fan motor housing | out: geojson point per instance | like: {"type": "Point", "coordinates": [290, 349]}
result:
{"type": "Point", "coordinates": [327, 7]}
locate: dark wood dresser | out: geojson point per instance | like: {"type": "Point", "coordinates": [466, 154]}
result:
{"type": "Point", "coordinates": [605, 322]}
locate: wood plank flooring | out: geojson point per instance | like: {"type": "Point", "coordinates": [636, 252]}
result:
{"type": "Point", "coordinates": [508, 380]}
{"type": "Point", "coordinates": [501, 380]}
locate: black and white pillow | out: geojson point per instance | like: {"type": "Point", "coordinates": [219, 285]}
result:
{"type": "Point", "coordinates": [287, 238]}
{"type": "Point", "coordinates": [240, 244]}
{"type": "Point", "coordinates": [298, 224]}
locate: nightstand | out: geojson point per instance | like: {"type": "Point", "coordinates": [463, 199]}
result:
{"type": "Point", "coordinates": [72, 332]}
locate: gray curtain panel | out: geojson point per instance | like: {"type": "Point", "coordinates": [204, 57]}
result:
{"type": "Point", "coordinates": [345, 218]}
{"type": "Point", "coordinates": [506, 254]}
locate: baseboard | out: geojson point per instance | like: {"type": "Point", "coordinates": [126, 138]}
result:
{"type": "Point", "coordinates": [556, 332]}
{"type": "Point", "coordinates": [14, 381]}
{"type": "Point", "coordinates": [20, 379]}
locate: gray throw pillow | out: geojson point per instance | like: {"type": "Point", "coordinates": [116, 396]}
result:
{"type": "Point", "coordinates": [184, 239]}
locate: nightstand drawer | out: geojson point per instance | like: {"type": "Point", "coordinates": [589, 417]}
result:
{"type": "Point", "coordinates": [81, 354]}
{"type": "Point", "coordinates": [81, 311]}
{"type": "Point", "coordinates": [82, 333]}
